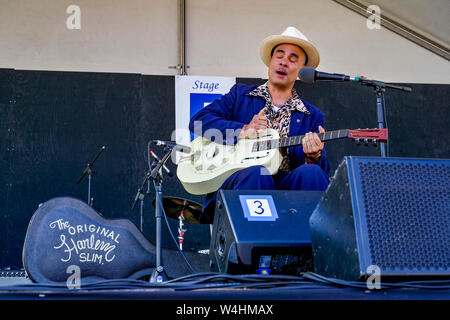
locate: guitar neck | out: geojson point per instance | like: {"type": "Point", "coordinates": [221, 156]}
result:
{"type": "Point", "coordinates": [297, 140]}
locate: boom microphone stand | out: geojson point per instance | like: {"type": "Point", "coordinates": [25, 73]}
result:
{"type": "Point", "coordinates": [88, 171]}
{"type": "Point", "coordinates": [380, 88]}
{"type": "Point", "coordinates": [159, 274]}
{"type": "Point", "coordinates": [140, 196]}
{"type": "Point", "coordinates": [140, 193]}
{"type": "Point", "coordinates": [310, 75]}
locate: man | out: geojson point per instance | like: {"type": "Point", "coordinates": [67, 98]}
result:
{"type": "Point", "coordinates": [276, 105]}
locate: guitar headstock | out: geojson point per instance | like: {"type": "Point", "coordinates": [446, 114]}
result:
{"type": "Point", "coordinates": [369, 135]}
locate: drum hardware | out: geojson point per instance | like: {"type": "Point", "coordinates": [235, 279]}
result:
{"type": "Point", "coordinates": [182, 210]}
{"type": "Point", "coordinates": [181, 230]}
{"type": "Point", "coordinates": [173, 206]}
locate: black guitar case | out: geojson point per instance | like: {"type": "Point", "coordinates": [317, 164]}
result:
{"type": "Point", "coordinates": [66, 232]}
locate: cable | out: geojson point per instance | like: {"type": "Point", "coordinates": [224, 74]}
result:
{"type": "Point", "coordinates": [432, 284]}
{"type": "Point", "coordinates": [211, 280]}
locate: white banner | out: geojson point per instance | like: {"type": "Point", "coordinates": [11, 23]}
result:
{"type": "Point", "coordinates": [191, 94]}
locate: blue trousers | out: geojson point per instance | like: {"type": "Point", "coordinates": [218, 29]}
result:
{"type": "Point", "coordinates": [305, 177]}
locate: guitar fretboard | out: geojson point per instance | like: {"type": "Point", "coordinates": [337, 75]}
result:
{"type": "Point", "coordinates": [297, 140]}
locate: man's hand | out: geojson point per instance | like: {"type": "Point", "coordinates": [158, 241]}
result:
{"type": "Point", "coordinates": [313, 146]}
{"type": "Point", "coordinates": [250, 131]}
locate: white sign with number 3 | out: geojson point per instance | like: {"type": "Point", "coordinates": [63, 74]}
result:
{"type": "Point", "coordinates": [258, 207]}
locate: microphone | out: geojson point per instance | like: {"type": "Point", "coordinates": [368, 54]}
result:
{"type": "Point", "coordinates": [174, 145]}
{"type": "Point", "coordinates": [310, 75]}
{"type": "Point", "coordinates": [164, 166]}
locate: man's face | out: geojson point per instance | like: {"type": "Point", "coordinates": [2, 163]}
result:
{"type": "Point", "coordinates": [286, 62]}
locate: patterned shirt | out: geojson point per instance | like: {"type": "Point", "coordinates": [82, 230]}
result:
{"type": "Point", "coordinates": [279, 118]}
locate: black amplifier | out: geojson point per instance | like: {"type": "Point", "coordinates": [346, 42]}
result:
{"type": "Point", "coordinates": [264, 231]}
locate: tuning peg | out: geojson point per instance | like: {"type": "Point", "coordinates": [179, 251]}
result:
{"type": "Point", "coordinates": [358, 141]}
{"type": "Point", "coordinates": [366, 142]}
{"type": "Point", "coordinates": [375, 142]}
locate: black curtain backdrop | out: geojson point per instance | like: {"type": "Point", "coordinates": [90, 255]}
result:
{"type": "Point", "coordinates": [52, 124]}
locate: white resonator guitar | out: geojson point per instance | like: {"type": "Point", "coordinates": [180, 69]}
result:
{"type": "Point", "coordinates": [209, 164]}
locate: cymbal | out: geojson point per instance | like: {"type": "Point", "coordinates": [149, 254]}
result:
{"type": "Point", "coordinates": [174, 205]}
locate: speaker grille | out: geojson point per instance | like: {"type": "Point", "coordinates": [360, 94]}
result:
{"type": "Point", "coordinates": [407, 213]}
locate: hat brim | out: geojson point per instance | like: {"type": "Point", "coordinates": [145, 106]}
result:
{"type": "Point", "coordinates": [272, 41]}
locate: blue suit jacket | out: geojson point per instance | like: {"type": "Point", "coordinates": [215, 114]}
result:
{"type": "Point", "coordinates": [237, 108]}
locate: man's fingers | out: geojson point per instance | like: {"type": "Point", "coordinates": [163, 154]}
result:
{"type": "Point", "coordinates": [261, 118]}
{"type": "Point", "coordinates": [261, 123]}
{"type": "Point", "coordinates": [307, 147]}
{"type": "Point", "coordinates": [312, 143]}
{"type": "Point", "coordinates": [317, 140]}
{"type": "Point", "coordinates": [306, 144]}
{"type": "Point", "coordinates": [251, 133]}
{"type": "Point", "coordinates": [314, 147]}
{"type": "Point", "coordinates": [321, 129]}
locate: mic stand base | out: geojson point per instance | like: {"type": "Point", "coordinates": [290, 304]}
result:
{"type": "Point", "coordinates": [159, 275]}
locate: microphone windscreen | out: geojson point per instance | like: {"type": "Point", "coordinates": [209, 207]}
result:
{"type": "Point", "coordinates": [307, 75]}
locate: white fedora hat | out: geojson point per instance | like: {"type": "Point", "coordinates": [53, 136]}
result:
{"type": "Point", "coordinates": [292, 36]}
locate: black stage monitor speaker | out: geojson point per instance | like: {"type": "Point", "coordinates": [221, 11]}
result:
{"type": "Point", "coordinates": [262, 231]}
{"type": "Point", "coordinates": [390, 213]}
